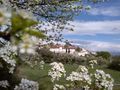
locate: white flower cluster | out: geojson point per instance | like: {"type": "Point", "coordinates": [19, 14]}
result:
{"type": "Point", "coordinates": [92, 63]}
{"type": "Point", "coordinates": [103, 80]}
{"type": "Point", "coordinates": [42, 64]}
{"type": "Point", "coordinates": [6, 53]}
{"type": "Point", "coordinates": [81, 75]}
{"type": "Point", "coordinates": [58, 87]}
{"type": "Point", "coordinates": [4, 83]}
{"type": "Point", "coordinates": [56, 71]}
{"type": "Point", "coordinates": [27, 85]}
{"type": "Point", "coordinates": [82, 69]}
{"type": "Point", "coordinates": [86, 87]}
{"type": "Point", "coordinates": [2, 41]}
{"type": "Point", "coordinates": [28, 44]}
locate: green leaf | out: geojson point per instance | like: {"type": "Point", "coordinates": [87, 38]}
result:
{"type": "Point", "coordinates": [19, 23]}
{"type": "Point", "coordinates": [38, 1]}
{"type": "Point", "coordinates": [1, 18]}
{"type": "Point", "coordinates": [34, 32]}
{"type": "Point", "coordinates": [1, 15]}
{"type": "Point", "coordinates": [1, 1]}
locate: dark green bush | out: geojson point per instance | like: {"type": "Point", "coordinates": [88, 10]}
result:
{"type": "Point", "coordinates": [104, 54]}
{"type": "Point", "coordinates": [115, 64]}
{"type": "Point", "coordinates": [5, 75]}
{"type": "Point", "coordinates": [102, 62]}
{"type": "Point", "coordinates": [46, 54]}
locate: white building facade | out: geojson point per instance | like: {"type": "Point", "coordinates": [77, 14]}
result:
{"type": "Point", "coordinates": [69, 49]}
{"type": "Point", "coordinates": [83, 52]}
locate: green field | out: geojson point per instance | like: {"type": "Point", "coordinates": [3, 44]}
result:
{"type": "Point", "coordinates": [44, 81]}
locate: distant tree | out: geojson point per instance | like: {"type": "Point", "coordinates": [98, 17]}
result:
{"type": "Point", "coordinates": [66, 46]}
{"type": "Point", "coordinates": [104, 54]}
{"type": "Point", "coordinates": [115, 64]}
{"type": "Point", "coordinates": [78, 49]}
{"type": "Point", "coordinates": [51, 43]}
{"type": "Point", "coordinates": [46, 54]}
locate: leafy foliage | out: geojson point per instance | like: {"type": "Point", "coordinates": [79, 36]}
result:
{"type": "Point", "coordinates": [19, 23]}
{"type": "Point", "coordinates": [20, 26]}
{"type": "Point", "coordinates": [115, 64]}
{"type": "Point", "coordinates": [104, 54]}
{"type": "Point", "coordinates": [78, 49]}
{"type": "Point", "coordinates": [34, 32]}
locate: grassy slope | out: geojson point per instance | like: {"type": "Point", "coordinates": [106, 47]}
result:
{"type": "Point", "coordinates": [44, 81]}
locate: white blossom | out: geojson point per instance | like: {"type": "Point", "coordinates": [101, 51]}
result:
{"type": "Point", "coordinates": [2, 41]}
{"type": "Point", "coordinates": [56, 71]}
{"type": "Point", "coordinates": [42, 64]}
{"type": "Point", "coordinates": [4, 83]}
{"type": "Point", "coordinates": [11, 69]}
{"type": "Point", "coordinates": [6, 53]}
{"type": "Point", "coordinates": [58, 87]}
{"type": "Point", "coordinates": [92, 63]}
{"type": "Point", "coordinates": [27, 85]}
{"type": "Point", "coordinates": [26, 48]}
{"type": "Point", "coordinates": [82, 68]}
{"type": "Point", "coordinates": [79, 76]}
{"type": "Point", "coordinates": [103, 80]}
{"type": "Point", "coordinates": [86, 87]}
{"type": "Point", "coordinates": [28, 44]}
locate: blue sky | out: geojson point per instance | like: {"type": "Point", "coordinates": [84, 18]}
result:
{"type": "Point", "coordinates": [99, 28]}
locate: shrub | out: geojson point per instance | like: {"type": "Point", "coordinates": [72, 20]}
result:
{"type": "Point", "coordinates": [104, 54]}
{"type": "Point", "coordinates": [115, 64]}
{"type": "Point", "coordinates": [46, 54]}
{"type": "Point", "coordinates": [102, 62]}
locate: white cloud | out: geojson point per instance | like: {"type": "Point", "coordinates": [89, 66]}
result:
{"type": "Point", "coordinates": [97, 45]}
{"type": "Point", "coordinates": [107, 11]}
{"type": "Point", "coordinates": [94, 27]}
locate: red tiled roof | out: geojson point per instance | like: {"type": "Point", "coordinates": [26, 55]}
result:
{"type": "Point", "coordinates": [58, 46]}
{"type": "Point", "coordinates": [71, 47]}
